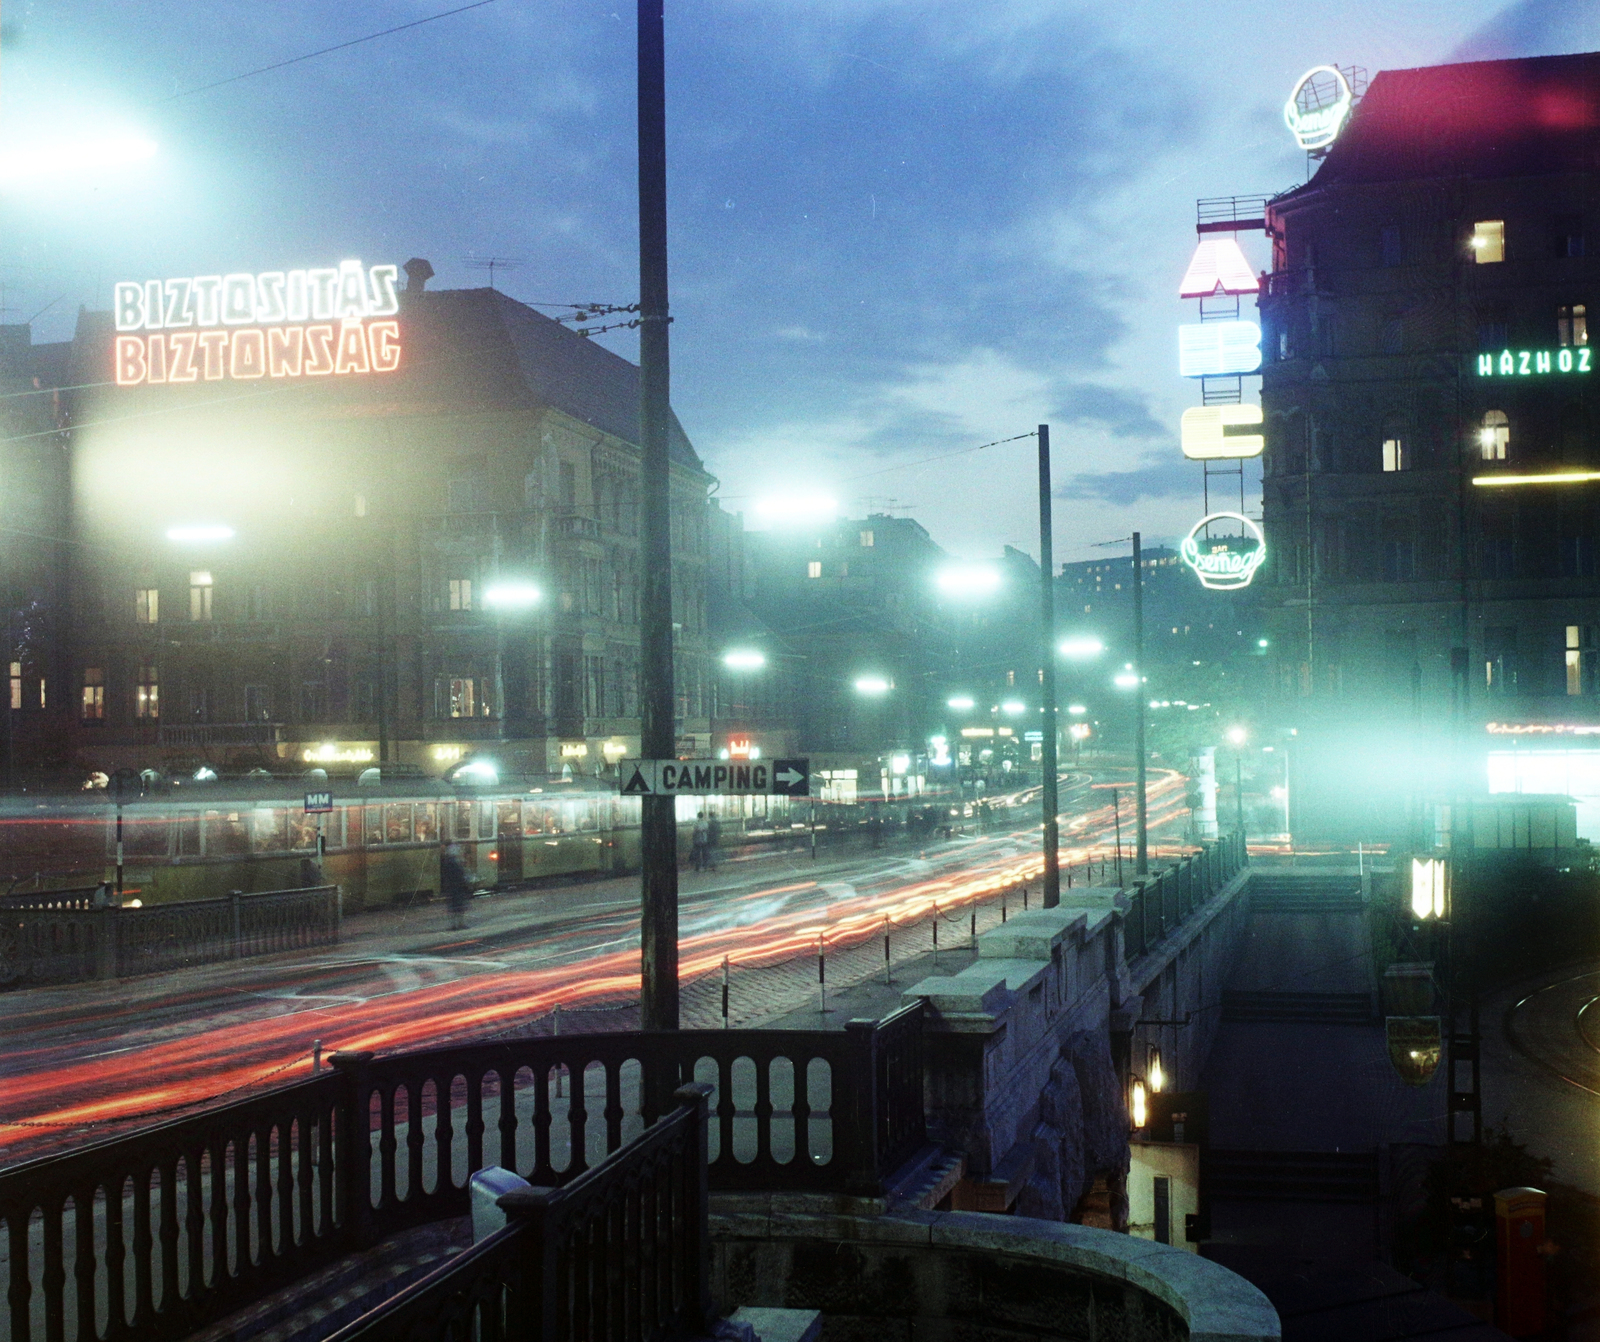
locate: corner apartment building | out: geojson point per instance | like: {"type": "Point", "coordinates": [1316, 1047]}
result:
{"type": "Point", "coordinates": [270, 567]}
{"type": "Point", "coordinates": [1432, 468]}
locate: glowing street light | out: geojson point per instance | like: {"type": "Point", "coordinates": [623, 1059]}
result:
{"type": "Point", "coordinates": [1077, 710]}
{"type": "Point", "coordinates": [1126, 679]}
{"type": "Point", "coordinates": [475, 773]}
{"type": "Point", "coordinates": [872, 685]}
{"type": "Point", "coordinates": [959, 702]}
{"type": "Point", "coordinates": [1081, 647]}
{"type": "Point", "coordinates": [1013, 707]}
{"type": "Point", "coordinates": [69, 158]}
{"type": "Point", "coordinates": [199, 533]}
{"type": "Point", "coordinates": [744, 659]}
{"type": "Point", "coordinates": [796, 509]}
{"type": "Point", "coordinates": [1237, 736]}
{"type": "Point", "coordinates": [969, 580]}
{"type": "Point", "coordinates": [512, 596]}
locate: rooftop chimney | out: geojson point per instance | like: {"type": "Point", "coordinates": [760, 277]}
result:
{"type": "Point", "coordinates": [418, 273]}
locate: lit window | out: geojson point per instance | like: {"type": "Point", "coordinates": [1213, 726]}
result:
{"type": "Point", "coordinates": [1580, 658]}
{"type": "Point", "coordinates": [1394, 454]}
{"type": "Point", "coordinates": [866, 540]}
{"type": "Point", "coordinates": [16, 684]}
{"type": "Point", "coordinates": [147, 701]}
{"type": "Point", "coordinates": [1489, 241]}
{"type": "Point", "coordinates": [460, 593]}
{"type": "Point", "coordinates": [147, 605]}
{"type": "Point", "coordinates": [1572, 324]}
{"type": "Point", "coordinates": [200, 588]}
{"type": "Point", "coordinates": [814, 569]}
{"type": "Point", "coordinates": [94, 694]}
{"type": "Point", "coordinates": [1494, 438]}
{"type": "Point", "coordinates": [462, 700]}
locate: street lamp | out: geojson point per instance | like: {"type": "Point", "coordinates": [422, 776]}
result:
{"type": "Point", "coordinates": [65, 159]}
{"type": "Point", "coordinates": [199, 533]}
{"type": "Point", "coordinates": [1237, 736]}
{"type": "Point", "coordinates": [1081, 647]}
{"type": "Point", "coordinates": [1013, 707]}
{"type": "Point", "coordinates": [1126, 679]}
{"type": "Point", "coordinates": [506, 596]}
{"type": "Point", "coordinates": [744, 659]}
{"type": "Point", "coordinates": [873, 686]}
{"type": "Point", "coordinates": [969, 580]}
{"type": "Point", "coordinates": [960, 702]}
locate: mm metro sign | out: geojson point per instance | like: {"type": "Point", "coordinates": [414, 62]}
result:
{"type": "Point", "coordinates": [716, 778]}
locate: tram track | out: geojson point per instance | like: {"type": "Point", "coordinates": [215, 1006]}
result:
{"type": "Point", "coordinates": [1590, 1083]}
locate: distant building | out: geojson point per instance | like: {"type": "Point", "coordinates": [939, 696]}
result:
{"type": "Point", "coordinates": [1432, 470]}
{"type": "Point", "coordinates": [286, 571]}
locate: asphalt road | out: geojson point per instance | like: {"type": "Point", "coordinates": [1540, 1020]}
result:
{"type": "Point", "coordinates": [89, 1058]}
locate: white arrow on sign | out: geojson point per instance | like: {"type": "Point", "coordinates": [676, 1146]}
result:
{"type": "Point", "coordinates": [789, 777]}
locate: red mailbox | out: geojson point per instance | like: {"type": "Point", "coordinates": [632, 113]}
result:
{"type": "Point", "coordinates": [1519, 1264]}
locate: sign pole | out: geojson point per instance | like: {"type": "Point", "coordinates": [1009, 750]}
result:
{"type": "Point", "coordinates": [658, 920]}
{"type": "Point", "coordinates": [1047, 679]}
{"type": "Point", "coordinates": [1141, 846]}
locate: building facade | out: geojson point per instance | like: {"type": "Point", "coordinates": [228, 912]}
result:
{"type": "Point", "coordinates": [1430, 473]}
{"type": "Point", "coordinates": [404, 566]}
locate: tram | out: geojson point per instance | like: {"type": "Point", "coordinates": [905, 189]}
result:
{"type": "Point", "coordinates": [381, 841]}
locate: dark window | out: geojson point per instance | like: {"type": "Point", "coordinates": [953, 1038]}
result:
{"type": "Point", "coordinates": [1390, 246]}
{"type": "Point", "coordinates": [1569, 235]}
{"type": "Point", "coordinates": [1393, 336]}
{"type": "Point", "coordinates": [313, 701]}
{"type": "Point", "coordinates": [1500, 659]}
{"type": "Point", "coordinates": [1499, 557]}
{"type": "Point", "coordinates": [1493, 332]}
{"type": "Point", "coordinates": [1577, 556]}
{"type": "Point", "coordinates": [1399, 560]}
{"type": "Point", "coordinates": [1573, 435]}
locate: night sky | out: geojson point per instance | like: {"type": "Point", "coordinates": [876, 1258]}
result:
{"type": "Point", "coordinates": [900, 228]}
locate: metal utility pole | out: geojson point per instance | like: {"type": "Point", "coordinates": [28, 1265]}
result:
{"type": "Point", "coordinates": [1047, 678]}
{"type": "Point", "coordinates": [1141, 842]}
{"type": "Point", "coordinates": [658, 913]}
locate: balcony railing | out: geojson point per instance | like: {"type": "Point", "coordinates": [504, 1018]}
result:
{"type": "Point", "coordinates": [221, 733]}
{"type": "Point", "coordinates": [176, 1226]}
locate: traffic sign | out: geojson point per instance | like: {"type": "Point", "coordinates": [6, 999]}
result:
{"type": "Point", "coordinates": [716, 778]}
{"type": "Point", "coordinates": [318, 802]}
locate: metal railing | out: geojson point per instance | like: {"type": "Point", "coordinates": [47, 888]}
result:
{"type": "Point", "coordinates": [622, 1252]}
{"type": "Point", "coordinates": [1160, 902]}
{"type": "Point", "coordinates": [176, 1226]}
{"type": "Point", "coordinates": [49, 939]}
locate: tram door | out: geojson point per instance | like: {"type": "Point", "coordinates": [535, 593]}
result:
{"type": "Point", "coordinates": [509, 843]}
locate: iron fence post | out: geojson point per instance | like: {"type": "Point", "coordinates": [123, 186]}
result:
{"type": "Point", "coordinates": [696, 1096]}
{"type": "Point", "coordinates": [353, 1147]}
{"type": "Point", "coordinates": [862, 1111]}
{"type": "Point", "coordinates": [531, 1311]}
{"type": "Point", "coordinates": [105, 942]}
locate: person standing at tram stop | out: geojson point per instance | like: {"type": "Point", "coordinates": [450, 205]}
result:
{"type": "Point", "coordinates": [699, 850]}
{"type": "Point", "coordinates": [453, 885]}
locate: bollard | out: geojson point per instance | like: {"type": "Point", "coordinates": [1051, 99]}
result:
{"type": "Point", "coordinates": [555, 1030]}
{"type": "Point", "coordinates": [822, 977]}
{"type": "Point", "coordinates": [886, 977]}
{"type": "Point", "coordinates": [1024, 899]}
{"type": "Point", "coordinates": [316, 1056]}
{"type": "Point", "coordinates": [1002, 908]}
{"type": "Point", "coordinates": [974, 927]}
{"type": "Point", "coordinates": [724, 992]}
{"type": "Point", "coordinates": [936, 931]}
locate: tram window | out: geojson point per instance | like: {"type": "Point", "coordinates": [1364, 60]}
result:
{"type": "Point", "coordinates": [542, 820]}
{"type": "Point", "coordinates": [585, 815]}
{"type": "Point", "coordinates": [227, 834]}
{"type": "Point", "coordinates": [486, 820]}
{"type": "Point", "coordinates": [268, 831]}
{"type": "Point", "coordinates": [427, 825]}
{"type": "Point", "coordinates": [144, 835]}
{"type": "Point", "coordinates": [510, 817]}
{"type": "Point", "coordinates": [302, 831]}
{"type": "Point", "coordinates": [397, 822]}
{"type": "Point", "coordinates": [188, 836]}
{"type": "Point", "coordinates": [463, 820]}
{"type": "Point", "coordinates": [373, 825]}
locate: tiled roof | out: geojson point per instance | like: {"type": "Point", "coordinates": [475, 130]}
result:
{"type": "Point", "coordinates": [1516, 118]}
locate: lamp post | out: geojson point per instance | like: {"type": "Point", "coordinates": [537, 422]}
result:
{"type": "Point", "coordinates": [1141, 851]}
{"type": "Point", "coordinates": [1047, 679]}
{"type": "Point", "coordinates": [743, 660]}
{"type": "Point", "coordinates": [506, 596]}
{"type": "Point", "coordinates": [1236, 738]}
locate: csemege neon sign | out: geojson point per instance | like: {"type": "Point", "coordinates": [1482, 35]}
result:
{"type": "Point", "coordinates": [1529, 362]}
{"type": "Point", "coordinates": [1316, 110]}
{"type": "Point", "coordinates": [333, 321]}
{"type": "Point", "coordinates": [1217, 563]}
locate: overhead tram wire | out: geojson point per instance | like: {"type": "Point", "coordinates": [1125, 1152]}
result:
{"type": "Point", "coordinates": [324, 51]}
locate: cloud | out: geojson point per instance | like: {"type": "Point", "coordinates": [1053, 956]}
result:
{"type": "Point", "coordinates": [1534, 28]}
{"type": "Point", "coordinates": [1161, 477]}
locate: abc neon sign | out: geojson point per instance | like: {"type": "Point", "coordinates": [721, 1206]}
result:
{"type": "Point", "coordinates": [1316, 123]}
{"type": "Point", "coordinates": [1203, 432]}
{"type": "Point", "coordinates": [279, 324]}
{"type": "Point", "coordinates": [1217, 563]}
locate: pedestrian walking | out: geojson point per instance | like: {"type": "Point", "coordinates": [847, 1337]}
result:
{"type": "Point", "coordinates": [702, 842]}
{"type": "Point", "coordinates": [453, 885]}
{"type": "Point", "coordinates": [713, 840]}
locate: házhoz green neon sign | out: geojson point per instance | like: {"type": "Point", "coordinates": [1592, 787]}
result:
{"type": "Point", "coordinates": [1530, 362]}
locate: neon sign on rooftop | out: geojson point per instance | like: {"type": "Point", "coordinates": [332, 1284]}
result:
{"type": "Point", "coordinates": [332, 321]}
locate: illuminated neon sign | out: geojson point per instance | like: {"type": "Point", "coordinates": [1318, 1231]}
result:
{"type": "Point", "coordinates": [1317, 109]}
{"type": "Point", "coordinates": [1530, 362]}
{"type": "Point", "coordinates": [1224, 563]}
{"type": "Point", "coordinates": [1216, 349]}
{"type": "Point", "coordinates": [297, 323]}
{"type": "Point", "coordinates": [1203, 432]}
{"type": "Point", "coordinates": [1218, 266]}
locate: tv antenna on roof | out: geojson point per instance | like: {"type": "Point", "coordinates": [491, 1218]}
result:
{"type": "Point", "coordinates": [494, 263]}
